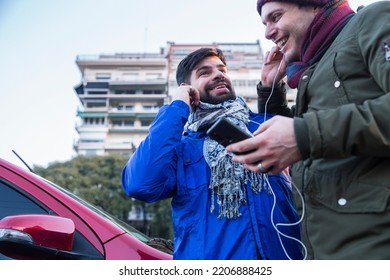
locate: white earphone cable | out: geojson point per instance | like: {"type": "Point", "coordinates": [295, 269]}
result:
{"type": "Point", "coordinates": [270, 187]}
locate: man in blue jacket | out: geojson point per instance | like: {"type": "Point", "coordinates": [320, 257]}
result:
{"type": "Point", "coordinates": [220, 210]}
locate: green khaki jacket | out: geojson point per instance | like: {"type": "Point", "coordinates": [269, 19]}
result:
{"type": "Point", "coordinates": [342, 126]}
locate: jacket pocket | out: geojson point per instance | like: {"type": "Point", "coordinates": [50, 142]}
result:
{"type": "Point", "coordinates": [357, 198]}
{"type": "Point", "coordinates": [196, 171]}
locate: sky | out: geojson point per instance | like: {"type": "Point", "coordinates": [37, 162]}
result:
{"type": "Point", "coordinates": [40, 40]}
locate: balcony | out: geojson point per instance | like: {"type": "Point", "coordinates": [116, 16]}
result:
{"type": "Point", "coordinates": [128, 129]}
{"type": "Point", "coordinates": [139, 97]}
{"type": "Point", "coordinates": [88, 128]}
{"type": "Point", "coordinates": [123, 146]}
{"type": "Point", "coordinates": [85, 145]}
{"type": "Point", "coordinates": [135, 113]}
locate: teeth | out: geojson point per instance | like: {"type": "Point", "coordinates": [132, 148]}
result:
{"type": "Point", "coordinates": [220, 86]}
{"type": "Point", "coordinates": [281, 43]}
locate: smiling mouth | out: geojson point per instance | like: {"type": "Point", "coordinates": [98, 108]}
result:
{"type": "Point", "coordinates": [219, 86]}
{"type": "Point", "coordinates": [281, 43]}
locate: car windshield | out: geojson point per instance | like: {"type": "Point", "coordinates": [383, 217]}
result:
{"type": "Point", "coordinates": [126, 227]}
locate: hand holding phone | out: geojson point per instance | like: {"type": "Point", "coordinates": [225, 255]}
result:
{"type": "Point", "coordinates": [226, 132]}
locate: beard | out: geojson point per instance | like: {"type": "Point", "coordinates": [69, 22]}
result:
{"type": "Point", "coordinates": [207, 97]}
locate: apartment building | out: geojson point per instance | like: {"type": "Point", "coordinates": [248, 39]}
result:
{"type": "Point", "coordinates": [120, 94]}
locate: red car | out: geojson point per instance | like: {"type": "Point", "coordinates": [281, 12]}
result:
{"type": "Point", "coordinates": [40, 220]}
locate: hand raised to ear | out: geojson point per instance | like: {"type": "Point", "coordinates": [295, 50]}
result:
{"type": "Point", "coordinates": [187, 94]}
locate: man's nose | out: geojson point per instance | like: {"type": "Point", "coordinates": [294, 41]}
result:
{"type": "Point", "coordinates": [269, 31]}
{"type": "Point", "coordinates": [219, 75]}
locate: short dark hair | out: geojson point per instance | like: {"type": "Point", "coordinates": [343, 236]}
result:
{"type": "Point", "coordinates": [188, 64]}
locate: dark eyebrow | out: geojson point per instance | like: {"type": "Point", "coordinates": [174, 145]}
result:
{"type": "Point", "coordinates": [206, 67]}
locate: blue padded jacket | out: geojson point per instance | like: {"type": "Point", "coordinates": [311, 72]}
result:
{"type": "Point", "coordinates": [170, 164]}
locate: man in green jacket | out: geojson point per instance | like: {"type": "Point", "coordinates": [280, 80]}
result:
{"type": "Point", "coordinates": [337, 136]}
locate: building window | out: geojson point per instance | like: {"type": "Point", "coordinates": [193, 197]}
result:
{"type": "Point", "coordinates": [122, 123]}
{"type": "Point", "coordinates": [125, 108]}
{"type": "Point", "coordinates": [123, 91]}
{"type": "Point", "coordinates": [96, 92]}
{"type": "Point", "coordinates": [93, 103]}
{"type": "Point", "coordinates": [103, 76]}
{"type": "Point", "coordinates": [91, 141]}
{"type": "Point", "coordinates": [94, 121]}
{"type": "Point", "coordinates": [153, 91]}
{"type": "Point", "coordinates": [117, 123]}
{"type": "Point", "coordinates": [146, 122]}
{"type": "Point", "coordinates": [128, 123]}
{"type": "Point", "coordinates": [148, 107]}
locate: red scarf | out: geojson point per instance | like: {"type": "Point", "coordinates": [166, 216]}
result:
{"type": "Point", "coordinates": [325, 27]}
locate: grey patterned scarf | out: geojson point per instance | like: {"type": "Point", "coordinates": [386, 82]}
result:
{"type": "Point", "coordinates": [228, 178]}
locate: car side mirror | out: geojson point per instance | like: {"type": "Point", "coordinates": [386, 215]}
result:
{"type": "Point", "coordinates": [36, 237]}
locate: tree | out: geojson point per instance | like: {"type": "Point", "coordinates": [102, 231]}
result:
{"type": "Point", "coordinates": [97, 179]}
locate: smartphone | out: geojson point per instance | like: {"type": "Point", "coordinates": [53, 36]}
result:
{"type": "Point", "coordinates": [226, 132]}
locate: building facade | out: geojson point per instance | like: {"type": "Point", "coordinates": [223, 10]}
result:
{"type": "Point", "coordinates": [120, 94]}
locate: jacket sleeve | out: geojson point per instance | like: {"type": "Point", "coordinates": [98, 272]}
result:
{"type": "Point", "coordinates": [150, 174]}
{"type": "Point", "coordinates": [359, 129]}
{"type": "Point", "coordinates": [273, 102]}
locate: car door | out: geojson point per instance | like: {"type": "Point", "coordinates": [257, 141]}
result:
{"type": "Point", "coordinates": [21, 195]}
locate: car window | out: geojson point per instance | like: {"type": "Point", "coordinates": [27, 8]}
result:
{"type": "Point", "coordinates": [13, 202]}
